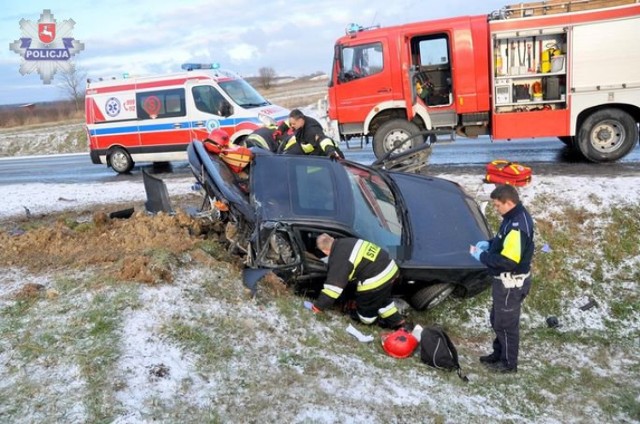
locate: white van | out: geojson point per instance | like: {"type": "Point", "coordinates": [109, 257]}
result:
{"type": "Point", "coordinates": [153, 119]}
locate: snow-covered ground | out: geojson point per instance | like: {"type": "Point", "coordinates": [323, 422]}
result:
{"type": "Point", "coordinates": [279, 364]}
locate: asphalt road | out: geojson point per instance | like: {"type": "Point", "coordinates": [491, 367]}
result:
{"type": "Point", "coordinates": [547, 156]}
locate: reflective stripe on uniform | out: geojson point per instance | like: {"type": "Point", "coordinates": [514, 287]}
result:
{"type": "Point", "coordinates": [367, 320]}
{"type": "Point", "coordinates": [380, 279]}
{"type": "Point", "coordinates": [355, 257]}
{"type": "Point", "coordinates": [332, 291]}
{"type": "Point", "coordinates": [326, 142]}
{"type": "Point", "coordinates": [512, 247]}
{"type": "Point", "coordinates": [307, 148]}
{"type": "Point", "coordinates": [290, 143]}
{"type": "Point", "coordinates": [258, 139]}
{"type": "Point", "coordinates": [388, 310]}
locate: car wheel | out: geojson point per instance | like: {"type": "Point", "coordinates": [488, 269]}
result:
{"type": "Point", "coordinates": [393, 133]}
{"type": "Point", "coordinates": [428, 297]}
{"type": "Point", "coordinates": [607, 135]}
{"type": "Point", "coordinates": [120, 160]}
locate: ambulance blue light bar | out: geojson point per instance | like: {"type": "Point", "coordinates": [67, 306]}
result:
{"type": "Point", "coordinates": [192, 66]}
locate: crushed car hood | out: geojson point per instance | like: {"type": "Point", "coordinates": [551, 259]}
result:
{"type": "Point", "coordinates": [443, 222]}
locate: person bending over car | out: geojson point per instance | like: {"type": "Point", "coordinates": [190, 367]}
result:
{"type": "Point", "coordinates": [508, 257]}
{"type": "Point", "coordinates": [309, 138]}
{"type": "Point", "coordinates": [370, 268]}
{"type": "Point", "coordinates": [269, 137]}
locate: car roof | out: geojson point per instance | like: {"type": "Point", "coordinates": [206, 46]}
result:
{"type": "Point", "coordinates": [300, 188]}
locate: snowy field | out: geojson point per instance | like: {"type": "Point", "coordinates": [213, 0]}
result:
{"type": "Point", "coordinates": [199, 350]}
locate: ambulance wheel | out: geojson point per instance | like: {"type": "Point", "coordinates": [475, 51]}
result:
{"type": "Point", "coordinates": [607, 135]}
{"type": "Point", "coordinates": [393, 133]}
{"type": "Point", "coordinates": [428, 297]}
{"type": "Point", "coordinates": [120, 160]}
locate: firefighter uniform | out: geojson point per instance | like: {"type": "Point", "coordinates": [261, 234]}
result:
{"type": "Point", "coordinates": [311, 140]}
{"type": "Point", "coordinates": [373, 272]}
{"type": "Point", "coordinates": [263, 137]}
{"type": "Point", "coordinates": [508, 259]}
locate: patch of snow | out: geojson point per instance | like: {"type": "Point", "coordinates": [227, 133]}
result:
{"type": "Point", "coordinates": [13, 279]}
{"type": "Point", "coordinates": [154, 368]}
{"type": "Point", "coordinates": [42, 198]}
{"type": "Point", "coordinates": [322, 77]}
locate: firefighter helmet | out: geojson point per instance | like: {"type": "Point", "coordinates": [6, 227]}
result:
{"type": "Point", "coordinates": [219, 137]}
{"type": "Point", "coordinates": [399, 344]}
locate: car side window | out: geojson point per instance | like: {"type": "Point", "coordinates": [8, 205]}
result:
{"type": "Point", "coordinates": [314, 191]}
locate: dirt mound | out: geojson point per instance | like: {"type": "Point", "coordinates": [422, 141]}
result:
{"type": "Point", "coordinates": [143, 248]}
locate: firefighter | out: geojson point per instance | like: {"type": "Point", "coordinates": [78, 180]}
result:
{"type": "Point", "coordinates": [508, 257]}
{"type": "Point", "coordinates": [370, 268]}
{"type": "Point", "coordinates": [268, 137]}
{"type": "Point", "coordinates": [310, 138]}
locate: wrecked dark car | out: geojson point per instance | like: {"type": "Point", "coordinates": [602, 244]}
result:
{"type": "Point", "coordinates": [275, 211]}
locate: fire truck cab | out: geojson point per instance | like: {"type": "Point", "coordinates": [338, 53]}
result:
{"type": "Point", "coordinates": [546, 69]}
{"type": "Point", "coordinates": [153, 119]}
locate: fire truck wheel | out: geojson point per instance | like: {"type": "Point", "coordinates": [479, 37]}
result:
{"type": "Point", "coordinates": [607, 135]}
{"type": "Point", "coordinates": [393, 133]}
{"type": "Point", "coordinates": [120, 160]}
{"type": "Point", "coordinates": [429, 297]}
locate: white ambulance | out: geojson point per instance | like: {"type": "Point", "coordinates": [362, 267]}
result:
{"type": "Point", "coordinates": [153, 119]}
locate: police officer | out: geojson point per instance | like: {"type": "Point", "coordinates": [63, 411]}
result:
{"type": "Point", "coordinates": [508, 257]}
{"type": "Point", "coordinates": [309, 138]}
{"type": "Point", "coordinates": [372, 270]}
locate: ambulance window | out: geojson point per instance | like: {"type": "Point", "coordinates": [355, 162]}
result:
{"type": "Point", "coordinates": [161, 104]}
{"type": "Point", "coordinates": [361, 61]}
{"type": "Point", "coordinates": [208, 99]}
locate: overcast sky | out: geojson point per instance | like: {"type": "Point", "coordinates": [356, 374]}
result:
{"type": "Point", "coordinates": [148, 37]}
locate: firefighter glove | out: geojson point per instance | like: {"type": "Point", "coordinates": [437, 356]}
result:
{"type": "Point", "coordinates": [335, 157]}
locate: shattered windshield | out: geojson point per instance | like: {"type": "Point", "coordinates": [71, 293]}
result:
{"type": "Point", "coordinates": [242, 93]}
{"type": "Point", "coordinates": [376, 218]}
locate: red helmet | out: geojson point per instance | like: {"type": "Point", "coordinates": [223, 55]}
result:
{"type": "Point", "coordinates": [399, 344]}
{"type": "Point", "coordinates": [219, 137]}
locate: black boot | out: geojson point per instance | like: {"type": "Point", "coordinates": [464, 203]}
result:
{"type": "Point", "coordinates": [492, 358]}
{"type": "Point", "coordinates": [503, 368]}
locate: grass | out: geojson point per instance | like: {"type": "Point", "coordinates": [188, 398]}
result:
{"type": "Point", "coordinates": [268, 358]}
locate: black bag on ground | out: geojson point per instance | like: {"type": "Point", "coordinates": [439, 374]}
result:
{"type": "Point", "coordinates": [437, 350]}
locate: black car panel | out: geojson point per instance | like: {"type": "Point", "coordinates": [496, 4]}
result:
{"type": "Point", "coordinates": [442, 221]}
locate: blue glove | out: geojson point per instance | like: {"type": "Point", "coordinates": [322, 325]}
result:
{"type": "Point", "coordinates": [482, 245]}
{"type": "Point", "coordinates": [475, 252]}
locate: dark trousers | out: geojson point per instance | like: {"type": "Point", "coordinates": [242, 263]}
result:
{"type": "Point", "coordinates": [370, 303]}
{"type": "Point", "coordinates": [505, 320]}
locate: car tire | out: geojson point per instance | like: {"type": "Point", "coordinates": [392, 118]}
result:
{"type": "Point", "coordinates": [607, 135]}
{"type": "Point", "coordinates": [120, 160]}
{"type": "Point", "coordinates": [392, 132]}
{"type": "Point", "coordinates": [428, 297]}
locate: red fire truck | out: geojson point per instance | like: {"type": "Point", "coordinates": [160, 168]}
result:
{"type": "Point", "coordinates": [566, 69]}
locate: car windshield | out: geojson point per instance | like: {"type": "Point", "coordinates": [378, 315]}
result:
{"type": "Point", "coordinates": [376, 215]}
{"type": "Point", "coordinates": [242, 93]}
